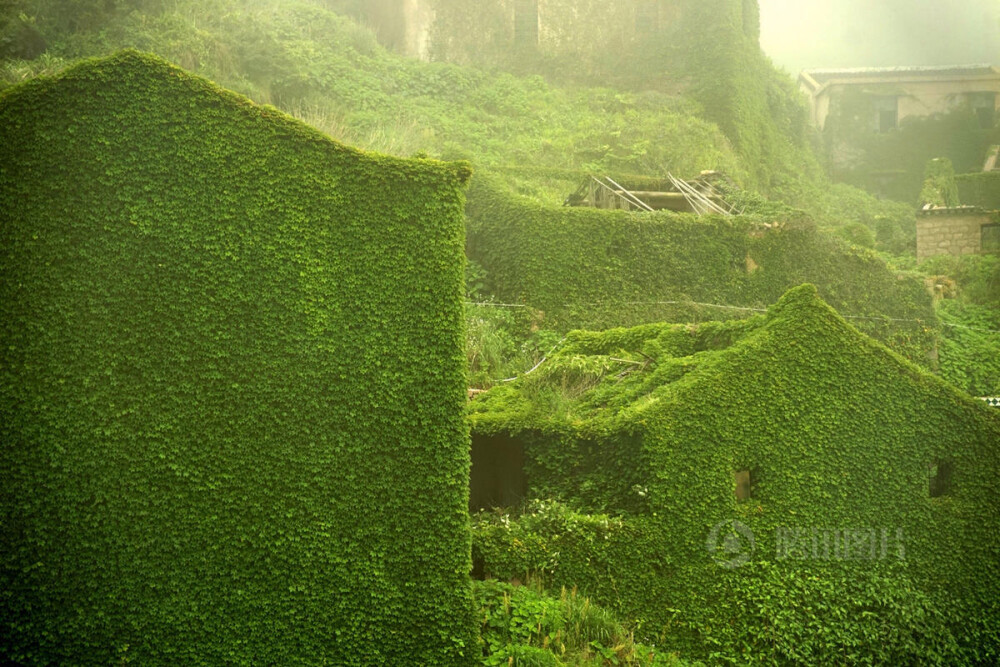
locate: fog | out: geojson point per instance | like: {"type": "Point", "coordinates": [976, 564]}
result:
{"type": "Point", "coordinates": [800, 34]}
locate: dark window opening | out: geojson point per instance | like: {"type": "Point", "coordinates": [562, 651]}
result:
{"type": "Point", "coordinates": [478, 567]}
{"type": "Point", "coordinates": [526, 22]}
{"type": "Point", "coordinates": [887, 120]}
{"type": "Point", "coordinates": [984, 106]}
{"type": "Point", "coordinates": [744, 485]}
{"type": "Point", "coordinates": [886, 114]}
{"type": "Point", "coordinates": [940, 473]}
{"type": "Point", "coordinates": [498, 478]}
{"type": "Point", "coordinates": [991, 238]}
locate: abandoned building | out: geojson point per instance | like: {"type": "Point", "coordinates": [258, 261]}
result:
{"type": "Point", "coordinates": [622, 39]}
{"type": "Point", "coordinates": [703, 195]}
{"type": "Point", "coordinates": [630, 400]}
{"type": "Point", "coordinates": [151, 265]}
{"type": "Point", "coordinates": [889, 95]}
{"type": "Point", "coordinates": [794, 418]}
{"type": "Point", "coordinates": [956, 230]}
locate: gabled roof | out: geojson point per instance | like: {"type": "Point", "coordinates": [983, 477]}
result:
{"type": "Point", "coordinates": [817, 79]}
{"type": "Point", "coordinates": [602, 382]}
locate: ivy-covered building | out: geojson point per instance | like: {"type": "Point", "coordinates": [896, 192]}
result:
{"type": "Point", "coordinates": [783, 486]}
{"type": "Point", "coordinates": [232, 382]}
{"type": "Point", "coordinates": [894, 94]}
{"type": "Point", "coordinates": [879, 126]}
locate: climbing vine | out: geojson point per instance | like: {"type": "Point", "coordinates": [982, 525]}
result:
{"type": "Point", "coordinates": [231, 384]}
{"type": "Point", "coordinates": [841, 438]}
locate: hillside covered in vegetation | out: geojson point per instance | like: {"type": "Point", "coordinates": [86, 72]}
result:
{"type": "Point", "coordinates": [233, 348]}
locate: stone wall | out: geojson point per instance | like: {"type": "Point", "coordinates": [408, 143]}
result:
{"type": "Point", "coordinates": [950, 233]}
{"type": "Point", "coordinates": [643, 43]}
{"type": "Point", "coordinates": [401, 25]}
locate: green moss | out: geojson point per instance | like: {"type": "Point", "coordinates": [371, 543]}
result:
{"type": "Point", "coordinates": [231, 383]}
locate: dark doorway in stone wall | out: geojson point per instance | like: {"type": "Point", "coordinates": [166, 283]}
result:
{"type": "Point", "coordinates": [498, 478]}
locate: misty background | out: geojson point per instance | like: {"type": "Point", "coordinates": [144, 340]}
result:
{"type": "Point", "coordinates": [812, 34]}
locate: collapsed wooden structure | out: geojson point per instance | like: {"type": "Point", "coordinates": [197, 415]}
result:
{"type": "Point", "coordinates": [704, 195]}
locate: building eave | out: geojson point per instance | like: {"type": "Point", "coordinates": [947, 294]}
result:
{"type": "Point", "coordinates": [820, 80]}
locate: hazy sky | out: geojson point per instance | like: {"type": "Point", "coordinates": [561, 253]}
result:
{"type": "Point", "coordinates": [800, 34]}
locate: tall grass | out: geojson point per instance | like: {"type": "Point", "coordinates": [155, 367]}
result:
{"type": "Point", "coordinates": [526, 627]}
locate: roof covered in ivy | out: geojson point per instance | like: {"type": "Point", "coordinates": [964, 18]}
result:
{"type": "Point", "coordinates": [615, 381]}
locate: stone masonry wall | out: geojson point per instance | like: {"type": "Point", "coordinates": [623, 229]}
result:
{"type": "Point", "coordinates": [950, 234]}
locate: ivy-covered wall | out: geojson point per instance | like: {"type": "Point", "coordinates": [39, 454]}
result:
{"type": "Point", "coordinates": [980, 189]}
{"type": "Point", "coordinates": [891, 164]}
{"type": "Point", "coordinates": [854, 558]}
{"type": "Point", "coordinates": [231, 384]}
{"type": "Point", "coordinates": [593, 268]}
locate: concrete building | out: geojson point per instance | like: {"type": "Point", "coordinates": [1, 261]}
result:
{"type": "Point", "coordinates": [893, 94]}
{"type": "Point", "coordinates": [587, 36]}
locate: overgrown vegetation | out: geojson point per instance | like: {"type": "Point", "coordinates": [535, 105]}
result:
{"type": "Point", "coordinates": [590, 268]}
{"type": "Point", "coordinates": [631, 435]}
{"type": "Point", "coordinates": [770, 612]}
{"type": "Point", "coordinates": [939, 184]}
{"type": "Point", "coordinates": [331, 72]}
{"type": "Point", "coordinates": [892, 163]}
{"type": "Point", "coordinates": [232, 360]}
{"type": "Point", "coordinates": [523, 625]}
{"type": "Point", "coordinates": [980, 189]}
{"type": "Point", "coordinates": [838, 434]}
{"type": "Point", "coordinates": [968, 305]}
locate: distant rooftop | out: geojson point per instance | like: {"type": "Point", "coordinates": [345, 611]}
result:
{"type": "Point", "coordinates": [824, 76]}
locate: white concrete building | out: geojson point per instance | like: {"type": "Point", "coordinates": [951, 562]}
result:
{"type": "Point", "coordinates": [897, 93]}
